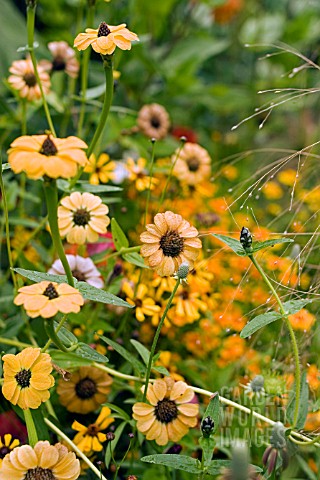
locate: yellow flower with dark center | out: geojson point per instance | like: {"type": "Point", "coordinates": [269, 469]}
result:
{"type": "Point", "coordinates": [43, 462]}
{"type": "Point", "coordinates": [46, 299]}
{"type": "Point", "coordinates": [39, 155]}
{"type": "Point", "coordinates": [101, 170]}
{"type": "Point", "coordinates": [106, 38]}
{"type": "Point", "coordinates": [168, 242]}
{"type": "Point", "coordinates": [23, 79]}
{"type": "Point", "coordinates": [7, 444]}
{"type": "Point", "coordinates": [193, 164]}
{"type": "Point", "coordinates": [138, 174]}
{"type": "Point", "coordinates": [89, 439]}
{"type": "Point", "coordinates": [82, 217]}
{"type": "Point", "coordinates": [153, 121]}
{"type": "Point", "coordinates": [145, 305]}
{"type": "Point", "coordinates": [27, 378]}
{"type": "Point", "coordinates": [85, 391]}
{"type": "Point", "coordinates": [170, 413]}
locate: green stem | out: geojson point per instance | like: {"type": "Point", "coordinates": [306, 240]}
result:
{"type": "Point", "coordinates": [51, 194]}
{"type": "Point", "coordinates": [292, 338]}
{"type": "Point", "coordinates": [23, 116]}
{"type": "Point", "coordinates": [31, 12]}
{"type": "Point", "coordinates": [61, 323]}
{"type": "Point", "coordinates": [150, 182]}
{"type": "Point", "coordinates": [84, 73]}
{"type": "Point", "coordinates": [170, 174]}
{"type": "Point", "coordinates": [74, 447]}
{"type": "Point", "coordinates": [52, 334]}
{"type": "Point", "coordinates": [156, 337]}
{"type": "Point", "coordinates": [14, 343]}
{"type": "Point", "coordinates": [32, 432]}
{"type": "Point", "coordinates": [108, 70]}
{"type": "Point", "coordinates": [7, 227]}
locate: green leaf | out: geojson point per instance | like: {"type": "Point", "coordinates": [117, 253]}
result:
{"type": "Point", "coordinates": [207, 445]}
{"type": "Point", "coordinates": [303, 404]}
{"type": "Point", "coordinates": [213, 411]}
{"type": "Point", "coordinates": [119, 410]}
{"type": "Point", "coordinates": [290, 307]}
{"type": "Point", "coordinates": [112, 445]}
{"type": "Point", "coordinates": [66, 337]}
{"type": "Point", "coordinates": [269, 243]}
{"type": "Point", "coordinates": [5, 166]}
{"type": "Point", "coordinates": [161, 370]}
{"type": "Point", "coordinates": [142, 350]}
{"type": "Point", "coordinates": [119, 238]}
{"type": "Point", "coordinates": [68, 361]}
{"type": "Point", "coordinates": [85, 351]}
{"type": "Point", "coordinates": [259, 322]}
{"type": "Point", "coordinates": [215, 466]}
{"type": "Point", "coordinates": [87, 291]}
{"type": "Point", "coordinates": [38, 416]}
{"type": "Point", "coordinates": [294, 306]}
{"type": "Point", "coordinates": [236, 246]}
{"type": "Point", "coordinates": [135, 259]}
{"type": "Point", "coordinates": [179, 462]}
{"type": "Point", "coordinates": [137, 365]}
{"type": "Point", "coordinates": [88, 187]}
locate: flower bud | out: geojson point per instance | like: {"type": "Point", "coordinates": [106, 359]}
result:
{"type": "Point", "coordinates": [183, 271]}
{"type": "Point", "coordinates": [278, 438]}
{"type": "Point", "coordinates": [245, 238]}
{"type": "Point", "coordinates": [207, 426]}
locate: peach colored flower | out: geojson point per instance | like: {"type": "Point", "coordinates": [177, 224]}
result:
{"type": "Point", "coordinates": [82, 217]}
{"type": "Point", "coordinates": [39, 155]}
{"type": "Point", "coordinates": [106, 38]}
{"type": "Point", "coordinates": [46, 299]}
{"type": "Point", "coordinates": [153, 121]}
{"type": "Point", "coordinates": [24, 80]}
{"type": "Point", "coordinates": [170, 414]}
{"type": "Point", "coordinates": [168, 242]}
{"type": "Point", "coordinates": [64, 58]}
{"type": "Point", "coordinates": [192, 165]}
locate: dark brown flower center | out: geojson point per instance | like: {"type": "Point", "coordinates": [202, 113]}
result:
{"type": "Point", "coordinates": [155, 122]}
{"type": "Point", "coordinates": [79, 275]}
{"type": "Point", "coordinates": [185, 295]}
{"type": "Point", "coordinates": [4, 451]}
{"type": "Point", "coordinates": [39, 473]}
{"type": "Point", "coordinates": [103, 30]}
{"type": "Point", "coordinates": [51, 292]}
{"type": "Point", "coordinates": [30, 79]}
{"type": "Point", "coordinates": [23, 378]}
{"type": "Point", "coordinates": [166, 410]}
{"type": "Point", "coordinates": [138, 302]}
{"type": "Point", "coordinates": [48, 147]}
{"type": "Point", "coordinates": [93, 430]}
{"type": "Point", "coordinates": [193, 164]}
{"type": "Point", "coordinates": [81, 217]}
{"type": "Point", "coordinates": [171, 244]}
{"type": "Point", "coordinates": [58, 64]}
{"type": "Point", "coordinates": [86, 388]}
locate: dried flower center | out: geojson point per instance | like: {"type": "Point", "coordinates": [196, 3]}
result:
{"type": "Point", "coordinates": [103, 30]}
{"type": "Point", "coordinates": [48, 147]}
{"type": "Point", "coordinates": [93, 430]}
{"type": "Point", "coordinates": [155, 122]}
{"type": "Point", "coordinates": [4, 451]}
{"type": "Point", "coordinates": [193, 164]}
{"type": "Point", "coordinates": [138, 302]}
{"type": "Point", "coordinates": [30, 79]}
{"type": "Point", "coordinates": [51, 292]}
{"type": "Point", "coordinates": [58, 64]}
{"type": "Point", "coordinates": [171, 244]}
{"type": "Point", "coordinates": [81, 217]}
{"type": "Point", "coordinates": [79, 275]}
{"type": "Point", "coordinates": [39, 473]}
{"type": "Point", "coordinates": [23, 378]}
{"type": "Point", "coordinates": [166, 410]}
{"type": "Point", "coordinates": [86, 388]}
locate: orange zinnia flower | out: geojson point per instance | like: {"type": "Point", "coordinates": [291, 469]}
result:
{"type": "Point", "coordinates": [106, 38]}
{"type": "Point", "coordinates": [82, 217]}
{"type": "Point", "coordinates": [193, 164]}
{"type": "Point", "coordinates": [46, 299]}
{"type": "Point", "coordinates": [39, 155]}
{"type": "Point", "coordinates": [45, 461]}
{"type": "Point", "coordinates": [168, 242]}
{"type": "Point", "coordinates": [170, 414]}
{"type": "Point", "coordinates": [24, 80]}
{"type": "Point", "coordinates": [27, 378]}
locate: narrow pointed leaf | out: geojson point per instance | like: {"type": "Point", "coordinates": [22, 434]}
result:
{"type": "Point", "coordinates": [259, 322]}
